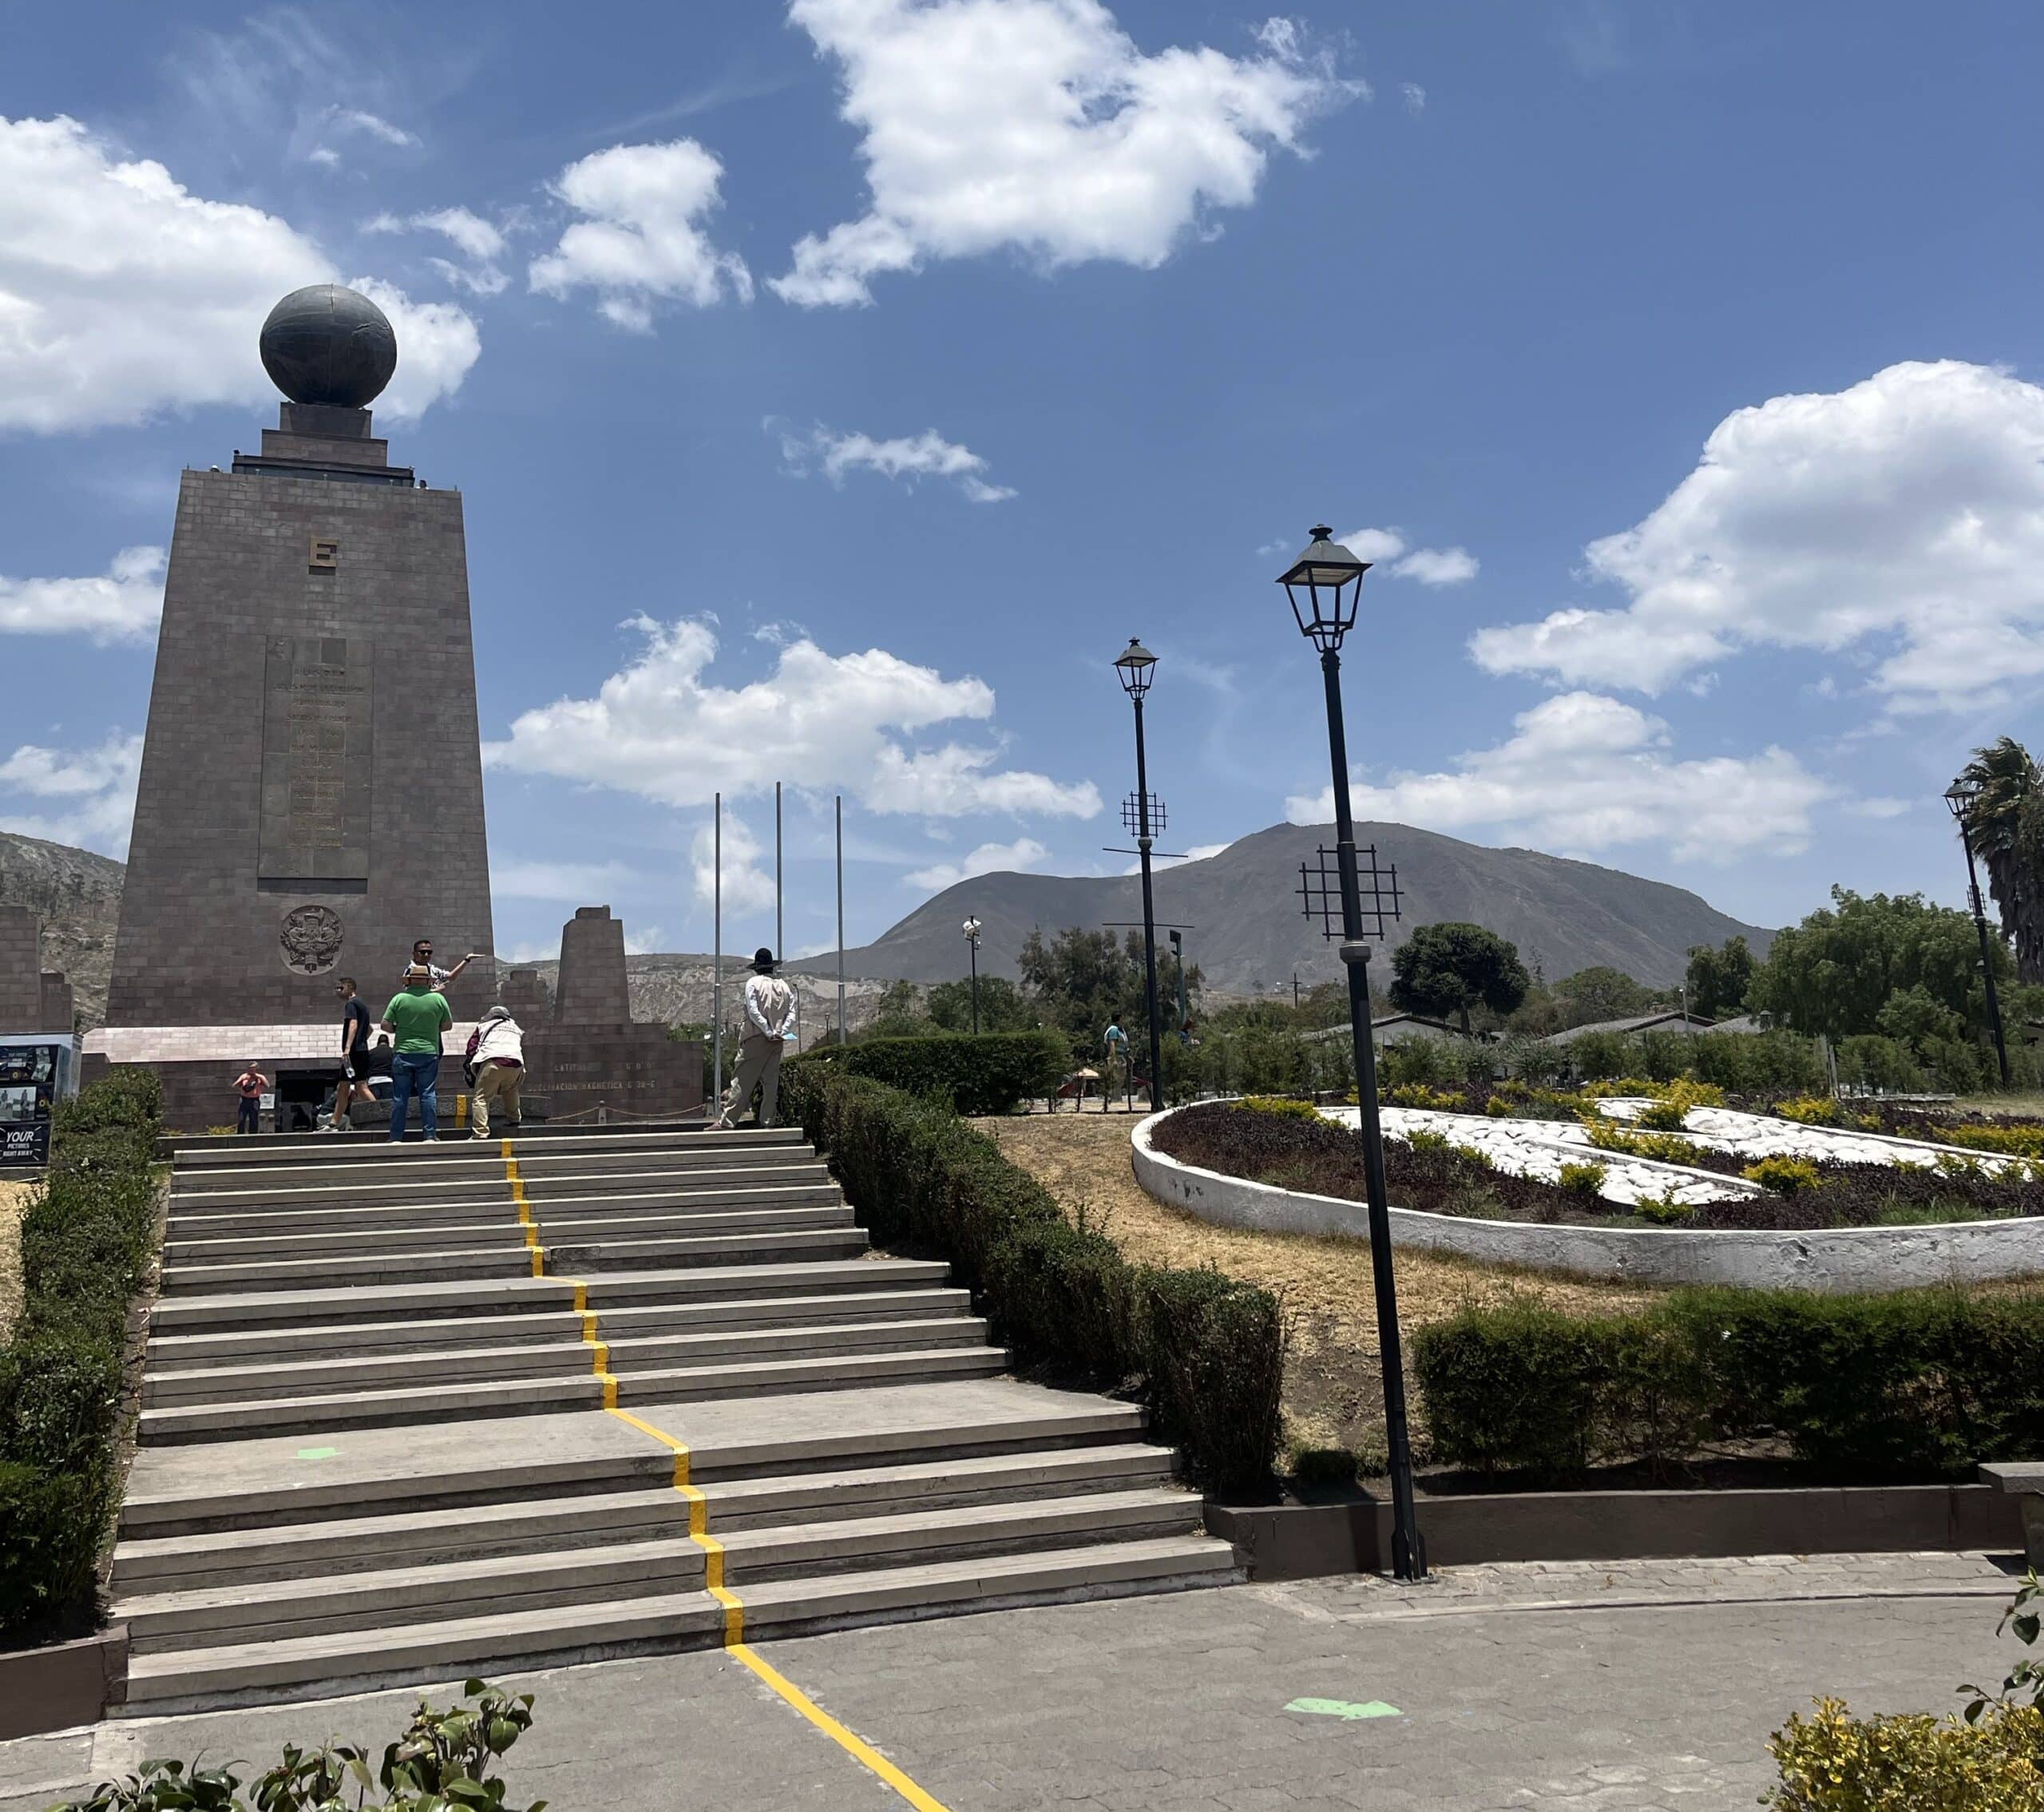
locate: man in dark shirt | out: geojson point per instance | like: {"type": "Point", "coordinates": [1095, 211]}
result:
{"type": "Point", "coordinates": [354, 1048]}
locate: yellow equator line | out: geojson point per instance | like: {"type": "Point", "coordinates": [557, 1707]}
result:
{"type": "Point", "coordinates": [734, 1642]}
{"type": "Point", "coordinates": [599, 1350]}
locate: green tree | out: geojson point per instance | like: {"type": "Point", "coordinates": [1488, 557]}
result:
{"type": "Point", "coordinates": [1593, 995]}
{"type": "Point", "coordinates": [900, 1014]}
{"type": "Point", "coordinates": [1003, 1006]}
{"type": "Point", "coordinates": [1718, 977]}
{"type": "Point", "coordinates": [1450, 967]}
{"type": "Point", "coordinates": [1080, 980]}
{"type": "Point", "coordinates": [2006, 820]}
{"type": "Point", "coordinates": [1838, 971]}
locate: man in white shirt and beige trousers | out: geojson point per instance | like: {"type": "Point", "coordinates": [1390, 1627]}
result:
{"type": "Point", "coordinates": [769, 1010]}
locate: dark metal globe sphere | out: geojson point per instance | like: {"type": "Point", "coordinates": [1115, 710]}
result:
{"type": "Point", "coordinates": [331, 345]}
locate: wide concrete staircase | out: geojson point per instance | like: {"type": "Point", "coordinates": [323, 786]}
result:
{"type": "Point", "coordinates": [410, 1412]}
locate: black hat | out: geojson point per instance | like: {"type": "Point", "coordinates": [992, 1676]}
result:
{"type": "Point", "coordinates": [763, 960]}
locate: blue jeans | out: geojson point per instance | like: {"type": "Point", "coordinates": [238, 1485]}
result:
{"type": "Point", "coordinates": [415, 1072]}
{"type": "Point", "coordinates": [247, 1117]}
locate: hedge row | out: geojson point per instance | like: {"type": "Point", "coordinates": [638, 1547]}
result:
{"type": "Point", "coordinates": [86, 1240]}
{"type": "Point", "coordinates": [987, 1073]}
{"type": "Point", "coordinates": [1923, 1384]}
{"type": "Point", "coordinates": [1205, 1352]}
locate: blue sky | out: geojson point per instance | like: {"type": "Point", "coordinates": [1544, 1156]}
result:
{"type": "Point", "coordinates": [835, 388]}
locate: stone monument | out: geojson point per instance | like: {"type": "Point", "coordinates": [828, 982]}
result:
{"type": "Point", "coordinates": [20, 971]}
{"type": "Point", "coordinates": [311, 784]}
{"type": "Point", "coordinates": [586, 1055]}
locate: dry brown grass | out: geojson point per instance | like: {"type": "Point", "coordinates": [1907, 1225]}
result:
{"type": "Point", "coordinates": [14, 1203]}
{"type": "Point", "coordinates": [1334, 1390]}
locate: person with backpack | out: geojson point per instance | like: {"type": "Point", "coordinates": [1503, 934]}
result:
{"type": "Point", "coordinates": [496, 1067]}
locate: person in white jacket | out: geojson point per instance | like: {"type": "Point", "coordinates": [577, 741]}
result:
{"type": "Point", "coordinates": [498, 1059]}
{"type": "Point", "coordinates": [769, 1011]}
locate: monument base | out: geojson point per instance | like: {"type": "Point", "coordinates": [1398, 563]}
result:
{"type": "Point", "coordinates": [575, 1074]}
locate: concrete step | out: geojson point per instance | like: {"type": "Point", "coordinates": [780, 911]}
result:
{"type": "Point", "coordinates": [663, 1561]}
{"type": "Point", "coordinates": [568, 1255]}
{"type": "Point", "coordinates": [316, 1191]}
{"type": "Point", "coordinates": [267, 1381]}
{"type": "Point", "coordinates": [845, 1371]}
{"type": "Point", "coordinates": [229, 1486]}
{"type": "Point", "coordinates": [169, 1352]}
{"type": "Point", "coordinates": [235, 1210]}
{"type": "Point", "coordinates": [251, 1417]}
{"type": "Point", "coordinates": [454, 1154]}
{"type": "Point", "coordinates": [732, 1212]}
{"type": "Point", "coordinates": [242, 1673]}
{"type": "Point", "coordinates": [403, 1305]}
{"type": "Point", "coordinates": [413, 1536]}
{"type": "Point", "coordinates": [667, 1562]}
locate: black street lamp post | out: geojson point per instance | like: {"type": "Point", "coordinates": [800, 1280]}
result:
{"type": "Point", "coordinates": [972, 930]}
{"type": "Point", "coordinates": [1325, 584]}
{"type": "Point", "coordinates": [1960, 796]}
{"type": "Point", "coordinates": [1135, 667]}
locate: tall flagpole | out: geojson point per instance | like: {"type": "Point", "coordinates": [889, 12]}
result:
{"type": "Point", "coordinates": [717, 959]}
{"type": "Point", "coordinates": [841, 918]}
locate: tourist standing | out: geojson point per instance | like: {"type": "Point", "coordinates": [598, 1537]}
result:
{"type": "Point", "coordinates": [769, 1012]}
{"type": "Point", "coordinates": [423, 958]}
{"type": "Point", "coordinates": [354, 1051]}
{"type": "Point", "coordinates": [418, 1014]}
{"type": "Point", "coordinates": [1117, 1043]}
{"type": "Point", "coordinates": [250, 1085]}
{"type": "Point", "coordinates": [499, 1058]}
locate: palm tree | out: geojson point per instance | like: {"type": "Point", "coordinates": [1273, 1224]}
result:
{"type": "Point", "coordinates": [2005, 818]}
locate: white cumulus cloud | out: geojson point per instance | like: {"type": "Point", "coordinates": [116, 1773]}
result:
{"type": "Point", "coordinates": [663, 730]}
{"type": "Point", "coordinates": [747, 886]}
{"type": "Point", "coordinates": [1039, 126]}
{"type": "Point", "coordinates": [926, 455]}
{"type": "Point", "coordinates": [123, 294]}
{"type": "Point", "coordinates": [641, 240]}
{"type": "Point", "coordinates": [480, 243]}
{"type": "Point", "coordinates": [1583, 773]}
{"type": "Point", "coordinates": [1387, 549]}
{"type": "Point", "coordinates": [121, 604]}
{"type": "Point", "coordinates": [1903, 518]}
{"type": "Point", "coordinates": [85, 797]}
{"type": "Point", "coordinates": [1018, 857]}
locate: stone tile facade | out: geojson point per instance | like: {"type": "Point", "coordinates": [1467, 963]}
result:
{"type": "Point", "coordinates": [20, 971]}
{"type": "Point", "coordinates": [591, 989]}
{"type": "Point", "coordinates": [311, 786]}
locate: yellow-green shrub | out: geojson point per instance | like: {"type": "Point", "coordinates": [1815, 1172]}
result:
{"type": "Point", "coordinates": [1698, 1094]}
{"type": "Point", "coordinates": [1667, 1113]}
{"type": "Point", "coordinates": [1284, 1106]}
{"type": "Point", "coordinates": [1663, 1147]}
{"type": "Point", "coordinates": [1587, 1179]}
{"type": "Point", "coordinates": [2010, 1141]}
{"type": "Point", "coordinates": [1784, 1176]}
{"type": "Point", "coordinates": [1809, 1110]}
{"type": "Point", "coordinates": [1663, 1211]}
{"type": "Point", "coordinates": [1833, 1761]}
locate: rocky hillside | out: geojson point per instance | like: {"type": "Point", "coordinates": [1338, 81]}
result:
{"type": "Point", "coordinates": [1248, 934]}
{"type": "Point", "coordinates": [78, 896]}
{"type": "Point", "coordinates": [676, 989]}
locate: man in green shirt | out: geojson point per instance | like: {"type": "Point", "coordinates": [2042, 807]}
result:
{"type": "Point", "coordinates": [416, 1015]}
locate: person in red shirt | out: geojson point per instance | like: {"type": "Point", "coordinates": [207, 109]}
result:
{"type": "Point", "coordinates": [251, 1084]}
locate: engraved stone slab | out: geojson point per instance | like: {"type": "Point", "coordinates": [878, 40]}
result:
{"type": "Point", "coordinates": [315, 762]}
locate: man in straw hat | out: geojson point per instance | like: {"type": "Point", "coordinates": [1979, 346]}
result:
{"type": "Point", "coordinates": [769, 1010]}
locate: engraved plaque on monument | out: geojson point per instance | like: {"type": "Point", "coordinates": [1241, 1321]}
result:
{"type": "Point", "coordinates": [311, 788]}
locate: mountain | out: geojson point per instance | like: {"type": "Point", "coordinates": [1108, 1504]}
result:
{"type": "Point", "coordinates": [1247, 933]}
{"type": "Point", "coordinates": [78, 896]}
{"type": "Point", "coordinates": [676, 989]}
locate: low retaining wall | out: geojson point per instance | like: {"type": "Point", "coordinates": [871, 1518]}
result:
{"type": "Point", "coordinates": [62, 1686]}
{"type": "Point", "coordinates": [1843, 1260]}
{"type": "Point", "coordinates": [1313, 1540]}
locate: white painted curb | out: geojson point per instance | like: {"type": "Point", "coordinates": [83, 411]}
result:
{"type": "Point", "coordinates": [1841, 1261]}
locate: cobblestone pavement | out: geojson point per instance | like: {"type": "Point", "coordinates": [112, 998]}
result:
{"type": "Point", "coordinates": [1633, 1687]}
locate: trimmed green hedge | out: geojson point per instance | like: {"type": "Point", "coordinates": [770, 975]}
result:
{"type": "Point", "coordinates": [86, 1242]}
{"type": "Point", "coordinates": [1921, 1384]}
{"type": "Point", "coordinates": [1205, 1352]}
{"type": "Point", "coordinates": [988, 1073]}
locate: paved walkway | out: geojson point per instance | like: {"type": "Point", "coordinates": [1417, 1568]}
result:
{"type": "Point", "coordinates": [1636, 1686]}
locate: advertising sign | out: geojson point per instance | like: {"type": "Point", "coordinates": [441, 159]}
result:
{"type": "Point", "coordinates": [34, 1075]}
